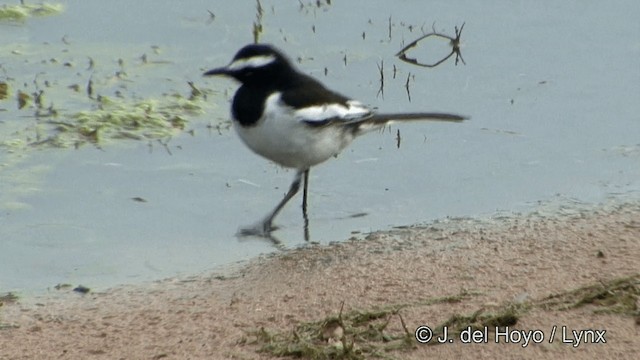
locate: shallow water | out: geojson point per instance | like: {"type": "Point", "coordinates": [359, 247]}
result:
{"type": "Point", "coordinates": [552, 89]}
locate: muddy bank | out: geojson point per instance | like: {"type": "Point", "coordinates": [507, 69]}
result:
{"type": "Point", "coordinates": [367, 297]}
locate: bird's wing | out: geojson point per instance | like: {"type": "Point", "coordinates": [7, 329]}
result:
{"type": "Point", "coordinates": [325, 114]}
{"type": "Point", "coordinates": [316, 105]}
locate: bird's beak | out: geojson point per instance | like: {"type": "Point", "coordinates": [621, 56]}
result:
{"type": "Point", "coordinates": [218, 71]}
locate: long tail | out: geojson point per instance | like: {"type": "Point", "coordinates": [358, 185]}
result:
{"type": "Point", "coordinates": [378, 121]}
{"type": "Point", "coordinates": [431, 116]}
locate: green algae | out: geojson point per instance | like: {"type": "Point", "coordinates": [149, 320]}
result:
{"type": "Point", "coordinates": [24, 11]}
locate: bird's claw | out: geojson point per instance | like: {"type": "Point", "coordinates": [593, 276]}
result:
{"type": "Point", "coordinates": [262, 229]}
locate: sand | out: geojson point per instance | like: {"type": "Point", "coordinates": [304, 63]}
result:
{"type": "Point", "coordinates": [419, 276]}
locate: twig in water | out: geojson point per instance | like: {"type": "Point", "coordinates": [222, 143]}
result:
{"type": "Point", "coordinates": [381, 70]}
{"type": "Point", "coordinates": [406, 86]}
{"type": "Point", "coordinates": [453, 41]}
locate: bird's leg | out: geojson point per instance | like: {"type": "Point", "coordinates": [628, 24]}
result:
{"type": "Point", "coordinates": [304, 193]}
{"type": "Point", "coordinates": [304, 205]}
{"type": "Point", "coordinates": [267, 226]}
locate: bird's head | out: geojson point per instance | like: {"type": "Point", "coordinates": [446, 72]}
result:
{"type": "Point", "coordinates": [255, 63]}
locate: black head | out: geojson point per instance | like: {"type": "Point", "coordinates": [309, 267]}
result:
{"type": "Point", "coordinates": [256, 63]}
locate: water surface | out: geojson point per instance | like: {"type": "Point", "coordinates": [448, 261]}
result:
{"type": "Point", "coordinates": [551, 88]}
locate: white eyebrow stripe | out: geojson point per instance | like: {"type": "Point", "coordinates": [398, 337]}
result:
{"type": "Point", "coordinates": [353, 110]}
{"type": "Point", "coordinates": [252, 62]}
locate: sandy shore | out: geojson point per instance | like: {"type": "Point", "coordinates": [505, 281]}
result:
{"type": "Point", "coordinates": [517, 272]}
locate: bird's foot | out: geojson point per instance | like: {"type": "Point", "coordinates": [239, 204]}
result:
{"type": "Point", "coordinates": [261, 229]}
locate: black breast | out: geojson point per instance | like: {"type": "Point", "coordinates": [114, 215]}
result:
{"type": "Point", "coordinates": [248, 104]}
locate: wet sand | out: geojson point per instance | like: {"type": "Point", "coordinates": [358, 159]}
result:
{"type": "Point", "coordinates": [419, 276]}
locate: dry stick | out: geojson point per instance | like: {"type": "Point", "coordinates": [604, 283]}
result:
{"type": "Point", "coordinates": [90, 88]}
{"type": "Point", "coordinates": [406, 85]}
{"type": "Point", "coordinates": [345, 345]}
{"type": "Point", "coordinates": [455, 48]}
{"type": "Point", "coordinates": [455, 44]}
{"type": "Point", "coordinates": [257, 25]}
{"type": "Point", "coordinates": [404, 326]}
{"type": "Point", "coordinates": [381, 70]}
{"type": "Point", "coordinates": [212, 17]}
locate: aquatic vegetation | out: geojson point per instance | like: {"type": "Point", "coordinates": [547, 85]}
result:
{"type": "Point", "coordinates": [111, 119]}
{"type": "Point", "coordinates": [23, 11]}
{"type": "Point", "coordinates": [139, 120]}
{"type": "Point", "coordinates": [4, 90]}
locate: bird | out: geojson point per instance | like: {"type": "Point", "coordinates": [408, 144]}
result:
{"type": "Point", "coordinates": [294, 120]}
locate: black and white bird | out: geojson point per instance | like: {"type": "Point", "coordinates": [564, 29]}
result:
{"type": "Point", "coordinates": [293, 120]}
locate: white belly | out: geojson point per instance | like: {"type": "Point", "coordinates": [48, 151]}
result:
{"type": "Point", "coordinates": [292, 143]}
{"type": "Point", "coordinates": [283, 136]}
